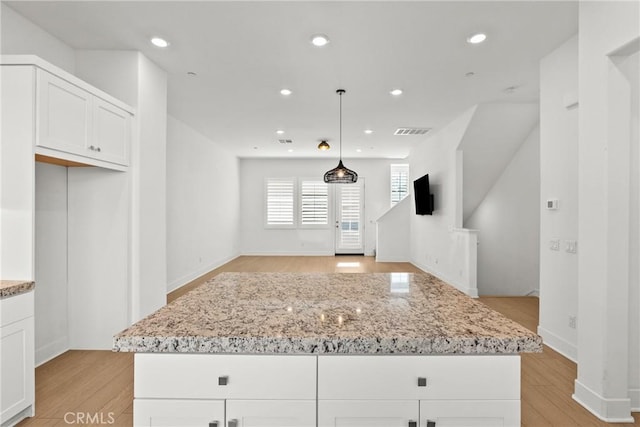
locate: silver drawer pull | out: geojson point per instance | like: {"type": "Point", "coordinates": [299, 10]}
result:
{"type": "Point", "coordinates": [422, 382]}
{"type": "Point", "coordinates": [413, 424]}
{"type": "Point", "coordinates": [223, 380]}
{"type": "Point", "coordinates": [213, 424]}
{"type": "Point", "coordinates": [232, 423]}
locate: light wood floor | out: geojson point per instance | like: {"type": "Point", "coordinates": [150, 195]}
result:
{"type": "Point", "coordinates": [101, 382]}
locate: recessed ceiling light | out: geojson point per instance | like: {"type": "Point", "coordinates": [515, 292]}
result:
{"type": "Point", "coordinates": [286, 92]}
{"type": "Point", "coordinates": [319, 40]}
{"type": "Point", "coordinates": [290, 150]}
{"type": "Point", "coordinates": [159, 42]}
{"type": "Point", "coordinates": [396, 92]}
{"type": "Point", "coordinates": [358, 150]}
{"type": "Point", "coordinates": [279, 131]}
{"type": "Point", "coordinates": [477, 38]}
{"type": "Point", "coordinates": [368, 131]}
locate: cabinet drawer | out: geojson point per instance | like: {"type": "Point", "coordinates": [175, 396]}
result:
{"type": "Point", "coordinates": [173, 413]}
{"type": "Point", "coordinates": [16, 308]}
{"type": "Point", "coordinates": [471, 413]}
{"type": "Point", "coordinates": [201, 376]}
{"type": "Point", "coordinates": [396, 377]}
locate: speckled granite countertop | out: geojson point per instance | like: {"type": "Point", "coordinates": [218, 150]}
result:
{"type": "Point", "coordinates": [10, 288]}
{"type": "Point", "coordinates": [315, 313]}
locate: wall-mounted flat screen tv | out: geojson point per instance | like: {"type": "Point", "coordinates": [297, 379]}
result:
{"type": "Point", "coordinates": [423, 196]}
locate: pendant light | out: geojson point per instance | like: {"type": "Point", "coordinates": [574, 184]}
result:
{"type": "Point", "coordinates": [340, 174]}
{"type": "Point", "coordinates": [323, 146]}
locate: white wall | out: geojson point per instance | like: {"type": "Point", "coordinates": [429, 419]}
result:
{"type": "Point", "coordinates": [508, 224]}
{"type": "Point", "coordinates": [630, 67]}
{"type": "Point", "coordinates": [255, 239]}
{"type": "Point", "coordinates": [435, 245]}
{"type": "Point", "coordinates": [203, 204]}
{"type": "Point", "coordinates": [604, 206]}
{"type": "Point", "coordinates": [149, 192]}
{"type": "Point", "coordinates": [559, 180]}
{"type": "Point", "coordinates": [19, 36]}
{"type": "Point", "coordinates": [392, 233]}
{"type": "Point", "coordinates": [51, 326]}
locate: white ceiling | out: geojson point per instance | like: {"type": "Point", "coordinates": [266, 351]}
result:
{"type": "Point", "coordinates": [245, 52]}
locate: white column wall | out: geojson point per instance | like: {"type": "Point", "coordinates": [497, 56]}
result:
{"type": "Point", "coordinates": [604, 205]}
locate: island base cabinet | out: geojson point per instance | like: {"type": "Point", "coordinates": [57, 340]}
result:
{"type": "Point", "coordinates": [173, 413]}
{"type": "Point", "coordinates": [470, 413]}
{"type": "Point", "coordinates": [368, 413]}
{"type": "Point", "coordinates": [271, 413]}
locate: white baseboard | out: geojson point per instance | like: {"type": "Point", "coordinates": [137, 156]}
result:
{"type": "Point", "coordinates": [310, 253]}
{"type": "Point", "coordinates": [50, 351]}
{"type": "Point", "coordinates": [390, 259]}
{"type": "Point", "coordinates": [634, 395]}
{"type": "Point", "coordinates": [562, 346]}
{"type": "Point", "coordinates": [177, 283]}
{"type": "Point", "coordinates": [472, 292]}
{"type": "Point", "coordinates": [609, 410]}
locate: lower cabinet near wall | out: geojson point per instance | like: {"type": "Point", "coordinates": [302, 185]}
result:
{"type": "Point", "coordinates": [16, 358]}
{"type": "Point", "coordinates": [326, 391]}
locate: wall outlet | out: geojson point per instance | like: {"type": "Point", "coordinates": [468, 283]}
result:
{"type": "Point", "coordinates": [554, 244]}
{"type": "Point", "coordinates": [572, 322]}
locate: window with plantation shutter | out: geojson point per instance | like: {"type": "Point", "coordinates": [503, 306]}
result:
{"type": "Point", "coordinates": [399, 182]}
{"type": "Point", "coordinates": [279, 200]}
{"type": "Point", "coordinates": [314, 203]}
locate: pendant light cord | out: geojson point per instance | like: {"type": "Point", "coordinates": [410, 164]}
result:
{"type": "Point", "coordinates": [340, 92]}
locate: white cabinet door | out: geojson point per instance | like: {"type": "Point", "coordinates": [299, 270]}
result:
{"type": "Point", "coordinates": [63, 115]}
{"type": "Point", "coordinates": [470, 413]}
{"type": "Point", "coordinates": [174, 413]}
{"type": "Point", "coordinates": [271, 413]}
{"type": "Point", "coordinates": [16, 368]}
{"type": "Point", "coordinates": [111, 133]}
{"type": "Point", "coordinates": [368, 413]}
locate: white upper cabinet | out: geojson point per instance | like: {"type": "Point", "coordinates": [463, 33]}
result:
{"type": "Point", "coordinates": [73, 121]}
{"type": "Point", "coordinates": [64, 115]}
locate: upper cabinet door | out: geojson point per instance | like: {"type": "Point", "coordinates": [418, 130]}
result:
{"type": "Point", "coordinates": [111, 133]}
{"type": "Point", "coordinates": [64, 115]}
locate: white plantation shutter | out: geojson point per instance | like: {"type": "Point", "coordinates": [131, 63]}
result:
{"type": "Point", "coordinates": [399, 183]}
{"type": "Point", "coordinates": [279, 199]}
{"type": "Point", "coordinates": [314, 203]}
{"type": "Point", "coordinates": [350, 213]}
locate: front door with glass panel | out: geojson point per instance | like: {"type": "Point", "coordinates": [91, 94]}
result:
{"type": "Point", "coordinates": [350, 218]}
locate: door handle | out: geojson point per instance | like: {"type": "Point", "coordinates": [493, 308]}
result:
{"type": "Point", "coordinates": [232, 423]}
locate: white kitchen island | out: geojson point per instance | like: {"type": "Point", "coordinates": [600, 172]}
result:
{"type": "Point", "coordinates": [311, 349]}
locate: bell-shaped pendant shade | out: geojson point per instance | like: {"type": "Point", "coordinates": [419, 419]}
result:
{"type": "Point", "coordinates": [340, 175]}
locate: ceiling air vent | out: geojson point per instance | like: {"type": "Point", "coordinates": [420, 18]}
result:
{"type": "Point", "coordinates": [285, 141]}
{"type": "Point", "coordinates": [411, 131]}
